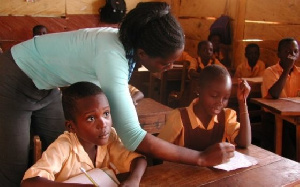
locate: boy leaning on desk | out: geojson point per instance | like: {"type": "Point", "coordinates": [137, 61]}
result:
{"type": "Point", "coordinates": [90, 143]}
{"type": "Point", "coordinates": [280, 81]}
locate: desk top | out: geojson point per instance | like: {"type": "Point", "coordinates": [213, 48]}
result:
{"type": "Point", "coordinates": [271, 170]}
{"type": "Point", "coordinates": [148, 106]}
{"type": "Point", "coordinates": [282, 106]}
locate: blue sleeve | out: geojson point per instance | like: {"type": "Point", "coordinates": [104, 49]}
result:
{"type": "Point", "coordinates": [112, 73]}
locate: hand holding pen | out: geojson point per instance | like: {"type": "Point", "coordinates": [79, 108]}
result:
{"type": "Point", "coordinates": [243, 90]}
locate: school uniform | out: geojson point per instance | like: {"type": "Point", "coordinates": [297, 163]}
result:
{"type": "Point", "coordinates": [184, 128]}
{"type": "Point", "coordinates": [198, 64]}
{"type": "Point", "coordinates": [272, 74]}
{"type": "Point", "coordinates": [64, 157]}
{"type": "Point", "coordinates": [244, 70]}
{"type": "Point", "coordinates": [187, 57]}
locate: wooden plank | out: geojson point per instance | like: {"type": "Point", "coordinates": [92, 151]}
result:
{"type": "Point", "coordinates": [207, 8]}
{"type": "Point", "coordinates": [83, 6]}
{"type": "Point", "coordinates": [196, 28]}
{"type": "Point", "coordinates": [275, 10]}
{"type": "Point", "coordinates": [271, 32]}
{"type": "Point", "coordinates": [46, 8]}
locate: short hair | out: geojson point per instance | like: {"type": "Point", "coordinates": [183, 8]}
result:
{"type": "Point", "coordinates": [37, 28]}
{"type": "Point", "coordinates": [151, 27]}
{"type": "Point", "coordinates": [212, 35]}
{"type": "Point", "coordinates": [202, 43]}
{"type": "Point", "coordinates": [251, 45]}
{"type": "Point", "coordinates": [285, 41]}
{"type": "Point", "coordinates": [74, 92]}
{"type": "Point", "coordinates": [211, 73]}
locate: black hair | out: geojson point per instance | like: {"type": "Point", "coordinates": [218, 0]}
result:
{"type": "Point", "coordinates": [212, 35]}
{"type": "Point", "coordinates": [37, 28]}
{"type": "Point", "coordinates": [74, 92]}
{"type": "Point", "coordinates": [211, 73]}
{"type": "Point", "coordinates": [202, 43]}
{"type": "Point", "coordinates": [251, 45]}
{"type": "Point", "coordinates": [285, 41]}
{"type": "Point", "coordinates": [151, 27]}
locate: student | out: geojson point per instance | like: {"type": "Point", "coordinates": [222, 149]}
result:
{"type": "Point", "coordinates": [187, 57]}
{"type": "Point", "coordinates": [39, 30]}
{"type": "Point", "coordinates": [205, 58]}
{"type": "Point", "coordinates": [207, 121]}
{"type": "Point", "coordinates": [90, 143]}
{"type": "Point", "coordinates": [253, 67]}
{"type": "Point", "coordinates": [283, 78]}
{"type": "Point", "coordinates": [32, 70]}
{"type": "Point", "coordinates": [135, 93]}
{"type": "Point", "coordinates": [220, 49]}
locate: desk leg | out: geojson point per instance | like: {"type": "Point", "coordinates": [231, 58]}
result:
{"type": "Point", "coordinates": [298, 142]}
{"type": "Point", "coordinates": [278, 135]}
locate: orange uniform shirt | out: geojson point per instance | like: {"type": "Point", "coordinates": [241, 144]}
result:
{"type": "Point", "coordinates": [272, 74]}
{"type": "Point", "coordinates": [64, 157]}
{"type": "Point", "coordinates": [245, 71]}
{"type": "Point", "coordinates": [173, 131]}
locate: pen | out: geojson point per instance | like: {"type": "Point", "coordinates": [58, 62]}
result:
{"type": "Point", "coordinates": [89, 177]}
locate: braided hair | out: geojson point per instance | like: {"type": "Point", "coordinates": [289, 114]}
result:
{"type": "Point", "coordinates": [151, 27]}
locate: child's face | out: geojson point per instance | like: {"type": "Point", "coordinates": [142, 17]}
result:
{"type": "Point", "coordinates": [289, 51]}
{"type": "Point", "coordinates": [214, 97]}
{"type": "Point", "coordinates": [252, 54]}
{"type": "Point", "coordinates": [93, 120]}
{"type": "Point", "coordinates": [42, 31]}
{"type": "Point", "coordinates": [206, 51]}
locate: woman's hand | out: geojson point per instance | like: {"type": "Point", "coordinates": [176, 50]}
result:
{"type": "Point", "coordinates": [130, 183]}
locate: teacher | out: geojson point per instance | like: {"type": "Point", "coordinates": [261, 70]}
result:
{"type": "Point", "coordinates": [31, 72]}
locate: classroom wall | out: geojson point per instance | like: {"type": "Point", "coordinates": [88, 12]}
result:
{"type": "Point", "coordinates": [18, 17]}
{"type": "Point", "coordinates": [266, 20]}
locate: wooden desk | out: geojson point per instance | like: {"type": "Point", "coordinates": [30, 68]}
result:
{"type": "Point", "coordinates": [152, 115]}
{"type": "Point", "coordinates": [283, 110]}
{"type": "Point", "coordinates": [271, 170]}
{"type": "Point", "coordinates": [175, 74]}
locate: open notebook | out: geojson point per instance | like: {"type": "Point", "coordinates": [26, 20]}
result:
{"type": "Point", "coordinates": [102, 177]}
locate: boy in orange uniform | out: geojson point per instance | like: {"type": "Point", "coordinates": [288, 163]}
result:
{"type": "Point", "coordinates": [253, 67]}
{"type": "Point", "coordinates": [90, 143]}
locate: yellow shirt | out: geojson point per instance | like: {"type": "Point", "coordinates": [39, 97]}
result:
{"type": "Point", "coordinates": [66, 155]}
{"type": "Point", "coordinates": [173, 131]}
{"type": "Point", "coordinates": [187, 57]}
{"type": "Point", "coordinates": [133, 90]}
{"type": "Point", "coordinates": [245, 71]}
{"type": "Point", "coordinates": [272, 74]}
{"type": "Point", "coordinates": [198, 63]}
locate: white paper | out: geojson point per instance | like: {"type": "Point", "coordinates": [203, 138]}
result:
{"type": "Point", "coordinates": [99, 176]}
{"type": "Point", "coordinates": [238, 161]}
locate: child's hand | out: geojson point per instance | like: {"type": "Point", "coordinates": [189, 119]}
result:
{"type": "Point", "coordinates": [130, 183]}
{"type": "Point", "coordinates": [217, 154]}
{"type": "Point", "coordinates": [243, 90]}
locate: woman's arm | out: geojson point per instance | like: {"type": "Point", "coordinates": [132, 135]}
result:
{"type": "Point", "coordinates": [137, 169]}
{"type": "Point", "coordinates": [213, 155]}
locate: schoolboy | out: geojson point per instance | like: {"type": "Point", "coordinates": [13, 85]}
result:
{"type": "Point", "coordinates": [283, 78]}
{"type": "Point", "coordinates": [207, 121]}
{"type": "Point", "coordinates": [90, 143]}
{"type": "Point", "coordinates": [279, 81]}
{"type": "Point", "coordinates": [39, 30]}
{"type": "Point", "coordinates": [205, 58]}
{"type": "Point", "coordinates": [221, 51]}
{"type": "Point", "coordinates": [253, 67]}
